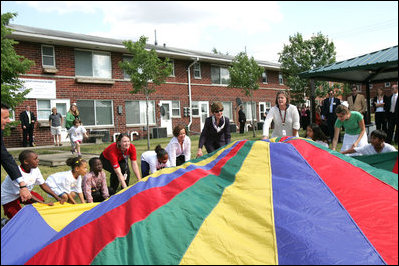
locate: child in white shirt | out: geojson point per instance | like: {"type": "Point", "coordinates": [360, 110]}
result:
{"type": "Point", "coordinates": [66, 184]}
{"type": "Point", "coordinates": [10, 198]}
{"type": "Point", "coordinates": [77, 132]}
{"type": "Point", "coordinates": [152, 161]}
{"type": "Point", "coordinates": [377, 145]}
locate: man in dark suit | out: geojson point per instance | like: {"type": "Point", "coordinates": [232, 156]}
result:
{"type": "Point", "coordinates": [328, 112]}
{"type": "Point", "coordinates": [392, 115]}
{"type": "Point", "coordinates": [7, 161]}
{"type": "Point", "coordinates": [28, 123]}
{"type": "Point", "coordinates": [242, 119]}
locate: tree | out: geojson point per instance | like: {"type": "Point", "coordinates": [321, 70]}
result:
{"type": "Point", "coordinates": [12, 65]}
{"type": "Point", "coordinates": [146, 71]}
{"type": "Point", "coordinates": [303, 55]}
{"type": "Point", "coordinates": [245, 74]}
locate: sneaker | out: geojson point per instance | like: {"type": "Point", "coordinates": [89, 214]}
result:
{"type": "Point", "coordinates": [4, 221]}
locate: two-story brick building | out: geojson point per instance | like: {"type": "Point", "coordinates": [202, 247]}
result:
{"type": "Point", "coordinates": [75, 68]}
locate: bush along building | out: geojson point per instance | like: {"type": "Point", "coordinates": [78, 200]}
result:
{"type": "Point", "coordinates": [74, 68]}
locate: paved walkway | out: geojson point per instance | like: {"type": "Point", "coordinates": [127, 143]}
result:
{"type": "Point", "coordinates": [58, 158]}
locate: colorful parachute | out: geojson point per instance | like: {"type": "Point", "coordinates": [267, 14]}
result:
{"type": "Point", "coordinates": [251, 202]}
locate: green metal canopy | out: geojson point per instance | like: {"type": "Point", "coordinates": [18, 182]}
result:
{"type": "Point", "coordinates": [374, 67]}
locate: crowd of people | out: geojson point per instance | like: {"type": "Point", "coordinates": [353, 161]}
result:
{"type": "Point", "coordinates": [91, 186]}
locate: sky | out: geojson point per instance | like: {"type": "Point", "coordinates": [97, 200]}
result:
{"type": "Point", "coordinates": [261, 28]}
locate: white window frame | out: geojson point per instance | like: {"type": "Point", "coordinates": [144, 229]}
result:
{"type": "Point", "coordinates": [197, 69]}
{"type": "Point", "coordinates": [176, 116]}
{"type": "Point", "coordinates": [280, 78]}
{"type": "Point", "coordinates": [230, 116]}
{"type": "Point", "coordinates": [172, 61]}
{"type": "Point", "coordinates": [220, 74]}
{"type": "Point", "coordinates": [39, 109]}
{"type": "Point", "coordinates": [143, 123]}
{"type": "Point", "coordinates": [95, 113]}
{"type": "Point", "coordinates": [99, 53]}
{"type": "Point", "coordinates": [12, 115]}
{"type": "Point", "coordinates": [53, 56]}
{"type": "Point", "coordinates": [248, 111]}
{"type": "Point", "coordinates": [264, 75]}
{"type": "Point", "coordinates": [193, 103]}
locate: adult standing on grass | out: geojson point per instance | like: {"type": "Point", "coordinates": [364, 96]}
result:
{"type": "Point", "coordinates": [216, 131]}
{"type": "Point", "coordinates": [28, 120]}
{"type": "Point", "coordinates": [115, 160]}
{"type": "Point", "coordinates": [355, 129]}
{"type": "Point", "coordinates": [8, 162]}
{"type": "Point", "coordinates": [285, 117]}
{"type": "Point", "coordinates": [71, 115]}
{"type": "Point", "coordinates": [56, 120]}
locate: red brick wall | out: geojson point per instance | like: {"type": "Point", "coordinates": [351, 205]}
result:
{"type": "Point", "coordinates": [68, 88]}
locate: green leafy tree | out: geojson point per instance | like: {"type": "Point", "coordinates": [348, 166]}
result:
{"type": "Point", "coordinates": [245, 74]}
{"type": "Point", "coordinates": [12, 65]}
{"type": "Point", "coordinates": [146, 71]}
{"type": "Point", "coordinates": [302, 55]}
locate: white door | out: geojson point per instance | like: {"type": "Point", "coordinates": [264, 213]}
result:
{"type": "Point", "coordinates": [203, 112]}
{"type": "Point", "coordinates": [62, 108]}
{"type": "Point", "coordinates": [166, 116]}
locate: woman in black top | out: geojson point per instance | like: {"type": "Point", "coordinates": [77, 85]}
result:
{"type": "Point", "coordinates": [216, 131]}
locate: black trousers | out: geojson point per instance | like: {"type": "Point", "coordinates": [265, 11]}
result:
{"type": "Point", "coordinates": [380, 121]}
{"type": "Point", "coordinates": [242, 126]}
{"type": "Point", "coordinates": [25, 133]}
{"type": "Point", "coordinates": [180, 160]}
{"type": "Point", "coordinates": [331, 118]}
{"type": "Point", "coordinates": [392, 127]}
{"type": "Point", "coordinates": [114, 181]}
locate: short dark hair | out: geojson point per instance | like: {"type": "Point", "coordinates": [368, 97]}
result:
{"type": "Point", "coordinates": [4, 106]}
{"type": "Point", "coordinates": [177, 129]}
{"type": "Point", "coordinates": [24, 155]}
{"type": "Point", "coordinates": [92, 160]}
{"type": "Point", "coordinates": [379, 134]}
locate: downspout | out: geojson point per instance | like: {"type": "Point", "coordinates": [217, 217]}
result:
{"type": "Point", "coordinates": [189, 93]}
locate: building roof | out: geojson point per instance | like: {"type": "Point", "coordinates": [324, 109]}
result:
{"type": "Point", "coordinates": [55, 37]}
{"type": "Point", "coordinates": [377, 66]}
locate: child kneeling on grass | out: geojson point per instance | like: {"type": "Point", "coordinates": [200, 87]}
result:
{"type": "Point", "coordinates": [10, 198]}
{"type": "Point", "coordinates": [66, 184]}
{"type": "Point", "coordinates": [95, 183]}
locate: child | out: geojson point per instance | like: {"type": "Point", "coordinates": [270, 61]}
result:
{"type": "Point", "coordinates": [10, 198]}
{"type": "Point", "coordinates": [377, 145]}
{"type": "Point", "coordinates": [77, 132]}
{"type": "Point", "coordinates": [152, 161]}
{"type": "Point", "coordinates": [65, 184]}
{"type": "Point", "coordinates": [55, 120]}
{"type": "Point", "coordinates": [94, 183]}
{"type": "Point", "coordinates": [314, 132]}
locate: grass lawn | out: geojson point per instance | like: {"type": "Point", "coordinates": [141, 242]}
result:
{"type": "Point", "coordinates": [141, 146]}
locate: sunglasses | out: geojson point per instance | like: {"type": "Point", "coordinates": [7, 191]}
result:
{"type": "Point", "coordinates": [218, 111]}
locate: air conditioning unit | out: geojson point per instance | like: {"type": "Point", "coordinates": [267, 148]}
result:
{"type": "Point", "coordinates": [159, 132]}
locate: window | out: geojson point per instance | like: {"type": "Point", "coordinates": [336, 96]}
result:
{"type": "Point", "coordinates": [12, 115]}
{"type": "Point", "coordinates": [48, 57]}
{"type": "Point", "coordinates": [43, 109]}
{"type": "Point", "coordinates": [176, 109]}
{"type": "Point", "coordinates": [95, 112]}
{"type": "Point", "coordinates": [197, 70]}
{"type": "Point", "coordinates": [136, 112]}
{"type": "Point", "coordinates": [195, 108]}
{"type": "Point", "coordinates": [228, 110]}
{"type": "Point", "coordinates": [93, 64]}
{"type": "Point", "coordinates": [264, 77]}
{"type": "Point", "coordinates": [248, 110]}
{"type": "Point", "coordinates": [173, 68]}
{"type": "Point", "coordinates": [280, 78]}
{"type": "Point", "coordinates": [125, 75]}
{"type": "Point", "coordinates": [220, 75]}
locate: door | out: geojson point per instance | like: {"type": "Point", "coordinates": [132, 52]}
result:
{"type": "Point", "coordinates": [203, 112]}
{"type": "Point", "coordinates": [62, 108]}
{"type": "Point", "coordinates": [166, 116]}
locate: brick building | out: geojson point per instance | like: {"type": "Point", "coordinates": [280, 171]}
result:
{"type": "Point", "coordinates": [75, 68]}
